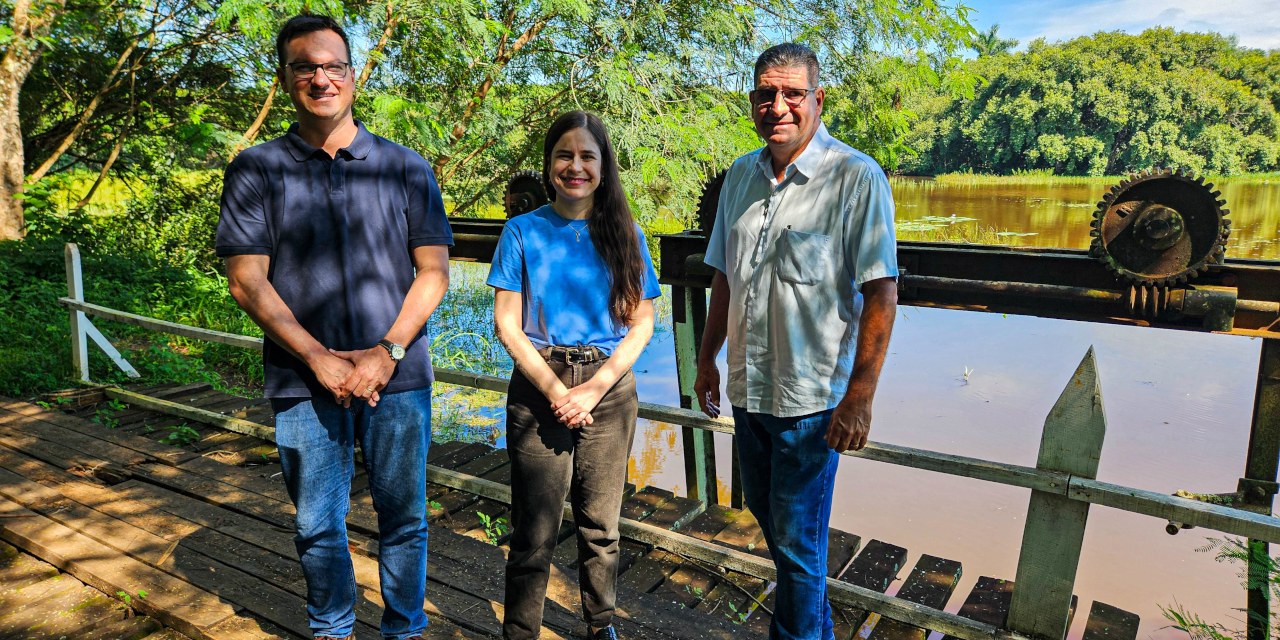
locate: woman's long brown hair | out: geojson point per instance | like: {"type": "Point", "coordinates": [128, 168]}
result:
{"type": "Point", "coordinates": [612, 228]}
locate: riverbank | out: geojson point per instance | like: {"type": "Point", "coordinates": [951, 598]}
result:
{"type": "Point", "coordinates": [1046, 177]}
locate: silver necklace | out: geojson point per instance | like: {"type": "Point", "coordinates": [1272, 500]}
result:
{"type": "Point", "coordinates": [577, 232]}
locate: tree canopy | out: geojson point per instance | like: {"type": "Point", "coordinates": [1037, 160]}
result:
{"type": "Point", "coordinates": [129, 88]}
{"type": "Point", "coordinates": [1108, 104]}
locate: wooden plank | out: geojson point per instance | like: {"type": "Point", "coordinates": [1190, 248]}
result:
{"type": "Point", "coordinates": [33, 469]}
{"type": "Point", "coordinates": [135, 628]}
{"type": "Point", "coordinates": [24, 491]}
{"type": "Point", "coordinates": [744, 533]}
{"type": "Point", "coordinates": [687, 585]}
{"type": "Point", "coordinates": [710, 522]}
{"type": "Point", "coordinates": [175, 603]}
{"type": "Point", "coordinates": [930, 583]}
{"type": "Point", "coordinates": [219, 493]}
{"type": "Point", "coordinates": [675, 512]}
{"type": "Point", "coordinates": [237, 477]}
{"type": "Point", "coordinates": [439, 450]}
{"type": "Point", "coordinates": [733, 596]}
{"type": "Point", "coordinates": [841, 548]}
{"type": "Point", "coordinates": [191, 413]}
{"type": "Point", "coordinates": [247, 547]}
{"type": "Point", "coordinates": [164, 453]}
{"type": "Point", "coordinates": [163, 326]}
{"type": "Point", "coordinates": [988, 602]}
{"type": "Point", "coordinates": [244, 590]}
{"type": "Point", "coordinates": [462, 456]}
{"type": "Point", "coordinates": [18, 569]}
{"type": "Point", "coordinates": [1187, 511]}
{"type": "Point", "coordinates": [89, 445]}
{"type": "Point", "coordinates": [191, 395]}
{"type": "Point", "coordinates": [1053, 534]}
{"type": "Point", "coordinates": [501, 475]}
{"type": "Point", "coordinates": [68, 613]}
{"type": "Point", "coordinates": [644, 502]}
{"type": "Point", "coordinates": [53, 453]}
{"type": "Point", "coordinates": [650, 571]}
{"type": "Point", "coordinates": [485, 463]}
{"type": "Point", "coordinates": [876, 567]}
{"type": "Point", "coordinates": [1110, 623]}
{"type": "Point", "coordinates": [15, 599]}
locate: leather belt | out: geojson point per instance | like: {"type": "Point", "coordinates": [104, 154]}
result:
{"type": "Point", "coordinates": [572, 355]}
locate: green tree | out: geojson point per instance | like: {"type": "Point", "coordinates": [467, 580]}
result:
{"type": "Point", "coordinates": [1111, 103]}
{"type": "Point", "coordinates": [473, 85]}
{"type": "Point", "coordinates": [987, 43]}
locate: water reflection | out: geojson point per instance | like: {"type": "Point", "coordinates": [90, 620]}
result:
{"type": "Point", "coordinates": [1058, 215]}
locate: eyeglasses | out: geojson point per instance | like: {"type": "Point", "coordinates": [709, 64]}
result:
{"type": "Point", "coordinates": [307, 70]}
{"type": "Point", "coordinates": [766, 97]}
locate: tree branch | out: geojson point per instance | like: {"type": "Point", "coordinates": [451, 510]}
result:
{"type": "Point", "coordinates": [87, 114]}
{"type": "Point", "coordinates": [375, 53]}
{"type": "Point", "coordinates": [252, 131]}
{"type": "Point", "coordinates": [500, 61]}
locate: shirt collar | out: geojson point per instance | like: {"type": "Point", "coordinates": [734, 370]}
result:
{"type": "Point", "coordinates": [809, 159]}
{"type": "Point", "coordinates": [357, 150]}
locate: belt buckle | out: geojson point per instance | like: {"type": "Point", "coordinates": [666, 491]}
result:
{"type": "Point", "coordinates": [575, 357]}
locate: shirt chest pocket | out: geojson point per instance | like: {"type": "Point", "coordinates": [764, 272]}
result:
{"type": "Point", "coordinates": [803, 258]}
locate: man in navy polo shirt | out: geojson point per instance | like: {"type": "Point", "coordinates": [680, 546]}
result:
{"type": "Point", "coordinates": [336, 244]}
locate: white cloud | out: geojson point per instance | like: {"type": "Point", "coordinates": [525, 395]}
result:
{"type": "Point", "coordinates": [1255, 22]}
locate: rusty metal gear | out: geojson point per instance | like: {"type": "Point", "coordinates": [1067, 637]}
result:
{"type": "Point", "coordinates": [1160, 228]}
{"type": "Point", "coordinates": [525, 192]}
{"type": "Point", "coordinates": [708, 202]}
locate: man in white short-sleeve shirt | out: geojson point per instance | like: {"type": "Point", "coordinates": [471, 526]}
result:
{"type": "Point", "coordinates": [806, 293]}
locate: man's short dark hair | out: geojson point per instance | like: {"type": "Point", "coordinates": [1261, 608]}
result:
{"type": "Point", "coordinates": [299, 26]}
{"type": "Point", "coordinates": [789, 55]}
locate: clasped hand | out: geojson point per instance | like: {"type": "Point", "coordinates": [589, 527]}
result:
{"type": "Point", "coordinates": [355, 374]}
{"type": "Point", "coordinates": [573, 408]}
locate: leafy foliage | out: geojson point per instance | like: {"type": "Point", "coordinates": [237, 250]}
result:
{"type": "Point", "coordinates": [1108, 104]}
{"type": "Point", "coordinates": [1266, 576]}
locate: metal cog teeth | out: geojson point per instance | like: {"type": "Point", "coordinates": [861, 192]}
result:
{"type": "Point", "coordinates": [1143, 251]}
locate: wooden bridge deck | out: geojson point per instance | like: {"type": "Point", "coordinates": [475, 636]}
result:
{"type": "Point", "coordinates": [117, 498]}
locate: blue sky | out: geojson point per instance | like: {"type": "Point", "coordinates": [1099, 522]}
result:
{"type": "Point", "coordinates": [1255, 22]}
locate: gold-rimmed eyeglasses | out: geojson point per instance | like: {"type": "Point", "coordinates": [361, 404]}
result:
{"type": "Point", "coordinates": [766, 97]}
{"type": "Point", "coordinates": [307, 70]}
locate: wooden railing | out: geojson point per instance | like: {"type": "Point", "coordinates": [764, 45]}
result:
{"type": "Point", "coordinates": [1063, 484]}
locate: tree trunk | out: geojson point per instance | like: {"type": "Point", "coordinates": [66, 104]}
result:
{"type": "Point", "coordinates": [30, 21]}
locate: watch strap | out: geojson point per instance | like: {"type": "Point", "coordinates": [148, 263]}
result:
{"type": "Point", "coordinates": [390, 347]}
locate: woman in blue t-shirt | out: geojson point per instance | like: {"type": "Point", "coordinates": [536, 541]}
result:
{"type": "Point", "coordinates": [574, 308]}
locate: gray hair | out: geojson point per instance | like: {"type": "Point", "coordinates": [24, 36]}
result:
{"type": "Point", "coordinates": [788, 55]}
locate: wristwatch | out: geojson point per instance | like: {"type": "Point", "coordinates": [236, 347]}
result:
{"type": "Point", "coordinates": [396, 351]}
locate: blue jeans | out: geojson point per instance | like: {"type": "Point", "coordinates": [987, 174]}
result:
{"type": "Point", "coordinates": [788, 474]}
{"type": "Point", "coordinates": [316, 440]}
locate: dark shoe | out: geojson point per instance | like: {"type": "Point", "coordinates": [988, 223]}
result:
{"type": "Point", "coordinates": [606, 633]}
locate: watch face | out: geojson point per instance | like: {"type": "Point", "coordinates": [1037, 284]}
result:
{"type": "Point", "coordinates": [397, 352]}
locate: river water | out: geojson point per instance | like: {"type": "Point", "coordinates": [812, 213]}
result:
{"type": "Point", "coordinates": [1178, 408]}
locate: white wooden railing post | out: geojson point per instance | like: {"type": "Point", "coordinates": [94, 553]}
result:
{"type": "Point", "coordinates": [1054, 531]}
{"type": "Point", "coordinates": [75, 291]}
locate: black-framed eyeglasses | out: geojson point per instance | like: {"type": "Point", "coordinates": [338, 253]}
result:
{"type": "Point", "coordinates": [307, 70]}
{"type": "Point", "coordinates": [766, 97]}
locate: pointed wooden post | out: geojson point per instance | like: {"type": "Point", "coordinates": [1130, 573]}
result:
{"type": "Point", "coordinates": [1054, 530]}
